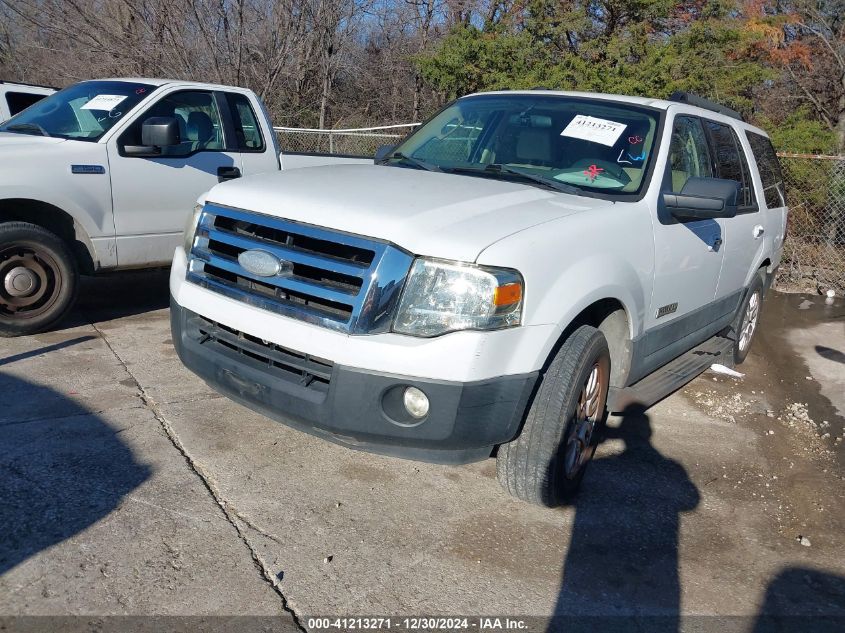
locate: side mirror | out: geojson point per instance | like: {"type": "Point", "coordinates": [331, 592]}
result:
{"type": "Point", "coordinates": [703, 199]}
{"type": "Point", "coordinates": [156, 132]}
{"type": "Point", "coordinates": [160, 131]}
{"type": "Point", "coordinates": [384, 151]}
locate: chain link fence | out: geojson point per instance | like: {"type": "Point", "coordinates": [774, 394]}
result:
{"type": "Point", "coordinates": [346, 142]}
{"type": "Point", "coordinates": [814, 252]}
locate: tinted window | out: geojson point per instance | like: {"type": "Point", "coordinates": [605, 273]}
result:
{"type": "Point", "coordinates": [20, 101]}
{"type": "Point", "coordinates": [730, 160]}
{"type": "Point", "coordinates": [84, 111]}
{"type": "Point", "coordinates": [689, 154]}
{"type": "Point", "coordinates": [198, 118]}
{"type": "Point", "coordinates": [247, 130]}
{"type": "Point", "coordinates": [770, 172]}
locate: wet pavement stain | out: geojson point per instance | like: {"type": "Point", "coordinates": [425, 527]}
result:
{"type": "Point", "coordinates": [501, 541]}
{"type": "Point", "coordinates": [781, 401]}
{"type": "Point", "coordinates": [775, 366]}
{"type": "Point", "coordinates": [365, 473]}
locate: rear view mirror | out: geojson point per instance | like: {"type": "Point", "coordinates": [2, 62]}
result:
{"type": "Point", "coordinates": [384, 151]}
{"type": "Point", "coordinates": [703, 199]}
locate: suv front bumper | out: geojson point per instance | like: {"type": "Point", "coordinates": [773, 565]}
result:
{"type": "Point", "coordinates": [354, 407]}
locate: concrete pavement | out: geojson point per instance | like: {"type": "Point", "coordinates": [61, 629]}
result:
{"type": "Point", "coordinates": [130, 487]}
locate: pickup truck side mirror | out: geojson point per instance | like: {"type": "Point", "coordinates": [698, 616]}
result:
{"type": "Point", "coordinates": [703, 199]}
{"type": "Point", "coordinates": [156, 132]}
{"type": "Point", "coordinates": [384, 151]}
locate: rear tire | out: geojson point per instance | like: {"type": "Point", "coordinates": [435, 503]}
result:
{"type": "Point", "coordinates": [38, 279]}
{"type": "Point", "coordinates": [546, 463]}
{"type": "Point", "coordinates": [747, 320]}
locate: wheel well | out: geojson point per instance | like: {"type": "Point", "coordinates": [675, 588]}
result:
{"type": "Point", "coordinates": [54, 220]}
{"type": "Point", "coordinates": [608, 316]}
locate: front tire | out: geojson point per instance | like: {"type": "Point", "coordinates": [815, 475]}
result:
{"type": "Point", "coordinates": [38, 279]}
{"type": "Point", "coordinates": [546, 463]}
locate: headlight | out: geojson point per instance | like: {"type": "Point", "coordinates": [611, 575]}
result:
{"type": "Point", "coordinates": [191, 228]}
{"type": "Point", "coordinates": [442, 297]}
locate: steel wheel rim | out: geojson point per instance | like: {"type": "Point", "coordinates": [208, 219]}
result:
{"type": "Point", "coordinates": [749, 321]}
{"type": "Point", "coordinates": [40, 268]}
{"type": "Point", "coordinates": [582, 425]}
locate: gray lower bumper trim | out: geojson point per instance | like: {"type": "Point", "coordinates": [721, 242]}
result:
{"type": "Point", "coordinates": [465, 421]}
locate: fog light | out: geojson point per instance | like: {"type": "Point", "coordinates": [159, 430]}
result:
{"type": "Point", "coordinates": [416, 402]}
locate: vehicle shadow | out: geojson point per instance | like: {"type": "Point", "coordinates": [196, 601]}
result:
{"type": "Point", "coordinates": [621, 568]}
{"type": "Point", "coordinates": [59, 474]}
{"type": "Point", "coordinates": [117, 295]}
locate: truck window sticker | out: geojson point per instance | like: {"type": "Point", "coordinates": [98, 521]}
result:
{"type": "Point", "coordinates": [104, 102]}
{"type": "Point", "coordinates": [594, 130]}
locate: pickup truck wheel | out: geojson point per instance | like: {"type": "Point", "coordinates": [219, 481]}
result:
{"type": "Point", "coordinates": [747, 319]}
{"type": "Point", "coordinates": [38, 279]}
{"type": "Point", "coordinates": [546, 463]}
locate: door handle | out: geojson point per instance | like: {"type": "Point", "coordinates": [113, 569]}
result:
{"type": "Point", "coordinates": [758, 231]}
{"type": "Point", "coordinates": [227, 173]}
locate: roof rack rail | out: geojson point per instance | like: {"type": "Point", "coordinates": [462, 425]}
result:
{"type": "Point", "coordinates": [24, 83]}
{"type": "Point", "coordinates": [694, 100]}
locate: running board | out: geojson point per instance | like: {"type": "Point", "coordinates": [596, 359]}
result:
{"type": "Point", "coordinates": [671, 376]}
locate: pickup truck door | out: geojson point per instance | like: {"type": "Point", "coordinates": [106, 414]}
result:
{"type": "Point", "coordinates": [688, 255]}
{"type": "Point", "coordinates": [153, 196]}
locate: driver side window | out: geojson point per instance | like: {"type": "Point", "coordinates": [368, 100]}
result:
{"type": "Point", "coordinates": [689, 154]}
{"type": "Point", "coordinates": [200, 127]}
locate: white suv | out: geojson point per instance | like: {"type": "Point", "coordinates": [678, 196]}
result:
{"type": "Point", "coordinates": [519, 265]}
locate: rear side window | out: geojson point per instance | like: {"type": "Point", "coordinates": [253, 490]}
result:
{"type": "Point", "coordinates": [247, 130]}
{"type": "Point", "coordinates": [731, 163]}
{"type": "Point", "coordinates": [770, 172]}
{"type": "Point", "coordinates": [20, 101]}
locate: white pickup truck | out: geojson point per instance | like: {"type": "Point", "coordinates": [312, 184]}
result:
{"type": "Point", "coordinates": [17, 97]}
{"type": "Point", "coordinates": [519, 265]}
{"type": "Point", "coordinates": [103, 175]}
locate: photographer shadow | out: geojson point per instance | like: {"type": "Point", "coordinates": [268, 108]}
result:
{"type": "Point", "coordinates": [622, 560]}
{"type": "Point", "coordinates": [61, 472]}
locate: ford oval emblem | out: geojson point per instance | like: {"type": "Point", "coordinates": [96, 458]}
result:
{"type": "Point", "coordinates": [263, 264]}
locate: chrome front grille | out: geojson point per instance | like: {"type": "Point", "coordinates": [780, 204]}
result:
{"type": "Point", "coordinates": [337, 280]}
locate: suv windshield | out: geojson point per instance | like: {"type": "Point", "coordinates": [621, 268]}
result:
{"type": "Point", "coordinates": [84, 111]}
{"type": "Point", "coordinates": [568, 143]}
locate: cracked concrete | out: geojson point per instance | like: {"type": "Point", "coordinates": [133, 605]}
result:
{"type": "Point", "coordinates": [130, 487]}
{"type": "Point", "coordinates": [234, 518]}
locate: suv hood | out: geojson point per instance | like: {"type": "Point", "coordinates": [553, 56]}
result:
{"type": "Point", "coordinates": [427, 213]}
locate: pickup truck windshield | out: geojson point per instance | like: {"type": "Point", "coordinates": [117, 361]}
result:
{"type": "Point", "coordinates": [594, 145]}
{"type": "Point", "coordinates": [84, 111]}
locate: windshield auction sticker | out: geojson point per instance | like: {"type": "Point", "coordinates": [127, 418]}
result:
{"type": "Point", "coordinates": [595, 130]}
{"type": "Point", "coordinates": [103, 102]}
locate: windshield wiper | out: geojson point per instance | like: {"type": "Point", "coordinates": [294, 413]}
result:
{"type": "Point", "coordinates": [547, 183]}
{"type": "Point", "coordinates": [414, 161]}
{"type": "Point", "coordinates": [23, 127]}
